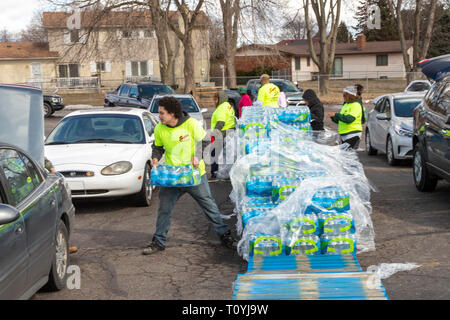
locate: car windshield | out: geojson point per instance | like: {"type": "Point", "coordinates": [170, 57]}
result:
{"type": "Point", "coordinates": [287, 86]}
{"type": "Point", "coordinates": [147, 91]}
{"type": "Point", "coordinates": [404, 107]}
{"type": "Point", "coordinates": [419, 86]}
{"type": "Point", "coordinates": [110, 128]}
{"type": "Point", "coordinates": [188, 104]}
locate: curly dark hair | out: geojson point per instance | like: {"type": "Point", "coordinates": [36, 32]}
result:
{"type": "Point", "coordinates": [172, 105]}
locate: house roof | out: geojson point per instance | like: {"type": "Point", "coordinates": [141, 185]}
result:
{"type": "Point", "coordinates": [58, 19]}
{"type": "Point", "coordinates": [371, 47]}
{"type": "Point", "coordinates": [26, 50]}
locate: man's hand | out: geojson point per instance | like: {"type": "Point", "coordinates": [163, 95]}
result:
{"type": "Point", "coordinates": [155, 162]}
{"type": "Point", "coordinates": [331, 114]}
{"type": "Point", "coordinates": [195, 162]}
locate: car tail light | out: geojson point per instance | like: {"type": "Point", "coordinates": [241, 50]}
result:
{"type": "Point", "coordinates": [425, 60]}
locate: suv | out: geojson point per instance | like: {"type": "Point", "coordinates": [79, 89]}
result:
{"type": "Point", "coordinates": [293, 94]}
{"type": "Point", "coordinates": [136, 95]}
{"type": "Point", "coordinates": [431, 139]}
{"type": "Point", "coordinates": [52, 103]}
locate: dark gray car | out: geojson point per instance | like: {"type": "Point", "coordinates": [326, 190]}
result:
{"type": "Point", "coordinates": [36, 217]}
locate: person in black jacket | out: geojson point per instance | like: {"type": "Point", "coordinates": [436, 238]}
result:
{"type": "Point", "coordinates": [316, 109]}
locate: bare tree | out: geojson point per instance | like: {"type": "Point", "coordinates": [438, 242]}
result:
{"type": "Point", "coordinates": [295, 28]}
{"type": "Point", "coordinates": [231, 11]}
{"type": "Point", "coordinates": [5, 35]}
{"type": "Point", "coordinates": [327, 42]}
{"type": "Point", "coordinates": [35, 31]}
{"type": "Point", "coordinates": [420, 44]}
{"type": "Point", "coordinates": [185, 35]}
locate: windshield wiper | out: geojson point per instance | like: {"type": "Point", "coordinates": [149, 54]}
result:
{"type": "Point", "coordinates": [101, 140]}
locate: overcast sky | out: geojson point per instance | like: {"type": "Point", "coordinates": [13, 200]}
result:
{"type": "Point", "coordinates": [15, 15]}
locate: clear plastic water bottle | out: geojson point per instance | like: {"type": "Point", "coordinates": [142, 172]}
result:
{"type": "Point", "coordinates": [155, 176]}
{"type": "Point", "coordinates": [164, 175]}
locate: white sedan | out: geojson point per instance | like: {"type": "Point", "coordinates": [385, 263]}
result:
{"type": "Point", "coordinates": [104, 153]}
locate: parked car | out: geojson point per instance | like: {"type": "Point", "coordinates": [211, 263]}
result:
{"type": "Point", "coordinates": [189, 104]}
{"type": "Point", "coordinates": [293, 94]}
{"type": "Point", "coordinates": [52, 103]}
{"type": "Point", "coordinates": [418, 86]}
{"type": "Point", "coordinates": [36, 219]}
{"type": "Point", "coordinates": [233, 98]}
{"type": "Point", "coordinates": [389, 126]}
{"type": "Point", "coordinates": [104, 153]}
{"type": "Point", "coordinates": [431, 139]}
{"type": "Point", "coordinates": [135, 95]}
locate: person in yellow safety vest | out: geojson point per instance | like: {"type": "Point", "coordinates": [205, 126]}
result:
{"type": "Point", "coordinates": [177, 136]}
{"type": "Point", "coordinates": [349, 118]}
{"type": "Point", "coordinates": [222, 119]}
{"type": "Point", "coordinates": [268, 93]}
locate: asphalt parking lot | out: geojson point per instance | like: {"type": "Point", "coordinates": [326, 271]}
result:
{"type": "Point", "coordinates": [410, 227]}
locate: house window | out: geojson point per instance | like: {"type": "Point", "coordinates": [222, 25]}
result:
{"type": "Point", "coordinates": [308, 61]}
{"type": "Point", "coordinates": [148, 33]}
{"type": "Point", "coordinates": [101, 67]}
{"type": "Point", "coordinates": [337, 67]}
{"type": "Point", "coordinates": [74, 36]}
{"type": "Point", "coordinates": [139, 68]}
{"type": "Point", "coordinates": [68, 70]}
{"type": "Point", "coordinates": [297, 63]}
{"type": "Point", "coordinates": [382, 60]}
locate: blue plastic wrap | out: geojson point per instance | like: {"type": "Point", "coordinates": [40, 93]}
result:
{"type": "Point", "coordinates": [164, 175]}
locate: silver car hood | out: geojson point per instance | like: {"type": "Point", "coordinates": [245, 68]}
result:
{"type": "Point", "coordinates": [406, 123]}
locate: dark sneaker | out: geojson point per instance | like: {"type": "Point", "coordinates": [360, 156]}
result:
{"type": "Point", "coordinates": [228, 240]}
{"type": "Point", "coordinates": [152, 248]}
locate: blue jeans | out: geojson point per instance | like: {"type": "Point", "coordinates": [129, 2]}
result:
{"type": "Point", "coordinates": [168, 196]}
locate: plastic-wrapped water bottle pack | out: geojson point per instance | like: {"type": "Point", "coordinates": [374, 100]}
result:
{"type": "Point", "coordinates": [297, 192]}
{"type": "Point", "coordinates": [164, 175]}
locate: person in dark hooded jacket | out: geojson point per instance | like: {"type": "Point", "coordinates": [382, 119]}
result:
{"type": "Point", "coordinates": [316, 109]}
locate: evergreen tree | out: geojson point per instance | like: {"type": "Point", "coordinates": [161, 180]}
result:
{"type": "Point", "coordinates": [343, 35]}
{"type": "Point", "coordinates": [440, 40]}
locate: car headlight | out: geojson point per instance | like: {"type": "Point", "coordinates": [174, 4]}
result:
{"type": "Point", "coordinates": [402, 131]}
{"type": "Point", "coordinates": [55, 100]}
{"type": "Point", "coordinates": [120, 167]}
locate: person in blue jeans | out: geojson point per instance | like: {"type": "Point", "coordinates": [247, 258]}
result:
{"type": "Point", "coordinates": [177, 136]}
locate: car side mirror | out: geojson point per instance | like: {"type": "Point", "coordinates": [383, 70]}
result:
{"type": "Point", "coordinates": [203, 110]}
{"type": "Point", "coordinates": [8, 214]}
{"type": "Point", "coordinates": [383, 116]}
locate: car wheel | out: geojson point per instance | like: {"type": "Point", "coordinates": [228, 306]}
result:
{"type": "Point", "coordinates": [144, 197]}
{"type": "Point", "coordinates": [369, 150]}
{"type": "Point", "coordinates": [60, 262]}
{"type": "Point", "coordinates": [48, 110]}
{"type": "Point", "coordinates": [423, 179]}
{"type": "Point", "coordinates": [390, 153]}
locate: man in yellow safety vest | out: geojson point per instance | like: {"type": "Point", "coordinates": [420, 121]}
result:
{"type": "Point", "coordinates": [268, 93]}
{"type": "Point", "coordinates": [222, 119]}
{"type": "Point", "coordinates": [177, 136]}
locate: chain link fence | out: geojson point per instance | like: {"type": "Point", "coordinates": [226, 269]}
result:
{"type": "Point", "coordinates": [91, 90]}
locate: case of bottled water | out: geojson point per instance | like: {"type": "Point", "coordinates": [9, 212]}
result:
{"type": "Point", "coordinates": [266, 245]}
{"type": "Point", "coordinates": [164, 175]}
{"type": "Point", "coordinates": [338, 243]}
{"type": "Point", "coordinates": [249, 213]}
{"type": "Point", "coordinates": [304, 224]}
{"type": "Point", "coordinates": [337, 223]}
{"type": "Point", "coordinates": [303, 245]}
{"type": "Point", "coordinates": [332, 199]}
{"type": "Point", "coordinates": [259, 186]}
